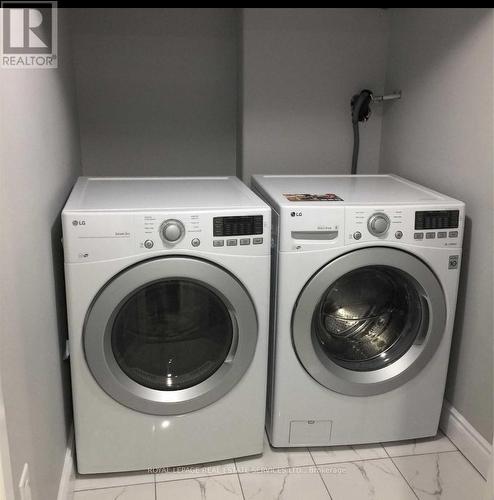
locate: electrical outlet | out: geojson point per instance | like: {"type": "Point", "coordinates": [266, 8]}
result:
{"type": "Point", "coordinates": [25, 484]}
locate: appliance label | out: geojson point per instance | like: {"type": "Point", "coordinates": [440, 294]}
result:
{"type": "Point", "coordinates": [312, 197]}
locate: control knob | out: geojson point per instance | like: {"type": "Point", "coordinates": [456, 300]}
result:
{"type": "Point", "coordinates": [378, 224]}
{"type": "Point", "coordinates": [172, 231]}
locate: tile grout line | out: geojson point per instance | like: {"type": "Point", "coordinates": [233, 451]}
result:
{"type": "Point", "coordinates": [447, 437]}
{"type": "Point", "coordinates": [114, 486]}
{"type": "Point", "coordinates": [311, 457]}
{"type": "Point", "coordinates": [197, 477]}
{"type": "Point", "coordinates": [444, 453]}
{"type": "Point", "coordinates": [465, 457]}
{"type": "Point", "coordinates": [241, 487]}
{"type": "Point", "coordinates": [423, 453]}
{"type": "Point", "coordinates": [238, 478]}
{"type": "Point", "coordinates": [399, 471]}
{"type": "Point", "coordinates": [268, 470]}
{"type": "Point", "coordinates": [359, 459]}
{"type": "Point", "coordinates": [320, 475]}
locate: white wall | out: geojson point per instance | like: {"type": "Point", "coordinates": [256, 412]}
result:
{"type": "Point", "coordinates": [300, 70]}
{"type": "Point", "coordinates": [157, 90]}
{"type": "Point", "coordinates": [441, 135]}
{"type": "Point", "coordinates": [6, 479]}
{"type": "Point", "coordinates": [39, 161]}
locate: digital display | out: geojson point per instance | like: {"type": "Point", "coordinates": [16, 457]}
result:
{"type": "Point", "coordinates": [237, 226]}
{"type": "Point", "coordinates": [437, 219]}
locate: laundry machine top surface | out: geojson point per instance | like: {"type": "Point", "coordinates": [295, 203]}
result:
{"type": "Point", "coordinates": [159, 193]}
{"type": "Point", "coordinates": [342, 190]}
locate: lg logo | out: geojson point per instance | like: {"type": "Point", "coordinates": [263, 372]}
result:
{"type": "Point", "coordinates": [78, 223]}
{"type": "Point", "coordinates": [296, 214]}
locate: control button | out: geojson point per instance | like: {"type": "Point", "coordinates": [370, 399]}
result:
{"type": "Point", "coordinates": [357, 235]}
{"type": "Point", "coordinates": [218, 243]}
{"type": "Point", "coordinates": [257, 241]}
{"type": "Point", "coordinates": [245, 241]}
{"type": "Point", "coordinates": [378, 224]}
{"type": "Point", "coordinates": [453, 262]}
{"type": "Point", "coordinates": [172, 231]}
{"type": "Point", "coordinates": [418, 236]}
{"type": "Point", "coordinates": [398, 235]}
{"type": "Point", "coordinates": [442, 234]}
{"type": "Point", "coordinates": [231, 243]}
{"type": "Point", "coordinates": [453, 234]}
{"type": "Point", "coordinates": [196, 242]}
{"type": "Point", "coordinates": [430, 236]}
{"type": "Point", "coordinates": [149, 243]}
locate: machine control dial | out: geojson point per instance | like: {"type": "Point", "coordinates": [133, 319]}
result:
{"type": "Point", "coordinates": [378, 224]}
{"type": "Point", "coordinates": [172, 231]}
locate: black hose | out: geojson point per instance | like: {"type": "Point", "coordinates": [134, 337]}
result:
{"type": "Point", "coordinates": [356, 144]}
{"type": "Point", "coordinates": [360, 105]}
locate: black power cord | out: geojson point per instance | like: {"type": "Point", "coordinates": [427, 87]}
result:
{"type": "Point", "coordinates": [361, 111]}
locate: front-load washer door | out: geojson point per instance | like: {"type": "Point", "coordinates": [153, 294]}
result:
{"type": "Point", "coordinates": [369, 321]}
{"type": "Point", "coordinates": [170, 335]}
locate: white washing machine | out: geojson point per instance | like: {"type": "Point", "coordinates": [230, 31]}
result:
{"type": "Point", "coordinates": [167, 290]}
{"type": "Point", "coordinates": [365, 279]}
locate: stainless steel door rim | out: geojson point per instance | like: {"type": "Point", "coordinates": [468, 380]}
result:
{"type": "Point", "coordinates": [105, 307]}
{"type": "Point", "coordinates": [362, 383]}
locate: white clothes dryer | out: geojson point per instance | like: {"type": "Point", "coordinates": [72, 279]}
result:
{"type": "Point", "coordinates": [167, 291]}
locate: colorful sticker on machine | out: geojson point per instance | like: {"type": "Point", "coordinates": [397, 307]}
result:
{"type": "Point", "coordinates": [311, 197]}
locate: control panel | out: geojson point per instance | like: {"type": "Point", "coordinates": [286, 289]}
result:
{"type": "Point", "coordinates": [203, 231]}
{"type": "Point", "coordinates": [240, 230]}
{"type": "Point", "coordinates": [437, 219]}
{"type": "Point", "coordinates": [309, 228]}
{"type": "Point", "coordinates": [99, 236]}
{"type": "Point", "coordinates": [437, 228]}
{"type": "Point", "coordinates": [240, 225]}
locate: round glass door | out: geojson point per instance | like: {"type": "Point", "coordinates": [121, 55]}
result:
{"type": "Point", "coordinates": [369, 318]}
{"type": "Point", "coordinates": [369, 321]}
{"type": "Point", "coordinates": [170, 335]}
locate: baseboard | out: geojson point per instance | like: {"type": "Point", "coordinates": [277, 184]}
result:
{"type": "Point", "coordinates": [469, 441]}
{"type": "Point", "coordinates": [67, 480]}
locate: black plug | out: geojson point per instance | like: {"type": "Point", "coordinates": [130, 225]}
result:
{"type": "Point", "coordinates": [360, 105]}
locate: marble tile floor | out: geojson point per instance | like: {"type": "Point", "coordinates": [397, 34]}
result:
{"type": "Point", "coordinates": [424, 469]}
